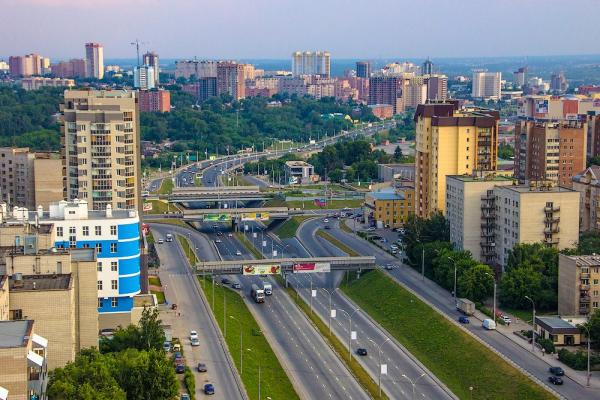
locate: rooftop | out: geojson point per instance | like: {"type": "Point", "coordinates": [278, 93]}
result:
{"type": "Point", "coordinates": [586, 261]}
{"type": "Point", "coordinates": [556, 325]}
{"type": "Point", "coordinates": [15, 333]}
{"type": "Point", "coordinates": [387, 194]}
{"type": "Point", "coordinates": [83, 254]}
{"type": "Point", "coordinates": [297, 164]}
{"type": "Point", "coordinates": [487, 178]}
{"type": "Point", "coordinates": [41, 282]}
{"type": "Point", "coordinates": [538, 189]}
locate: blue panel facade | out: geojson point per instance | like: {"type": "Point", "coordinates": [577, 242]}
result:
{"type": "Point", "coordinates": [124, 304]}
{"type": "Point", "coordinates": [129, 285]}
{"type": "Point", "coordinates": [129, 266]}
{"type": "Point", "coordinates": [128, 231]}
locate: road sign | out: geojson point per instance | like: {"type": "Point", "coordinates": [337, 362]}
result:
{"type": "Point", "coordinates": [333, 313]}
{"type": "Point", "coordinates": [217, 217]}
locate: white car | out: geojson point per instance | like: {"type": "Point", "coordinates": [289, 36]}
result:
{"type": "Point", "coordinates": [217, 240]}
{"type": "Point", "coordinates": [195, 342]}
{"type": "Point", "coordinates": [326, 220]}
{"type": "Point", "coordinates": [160, 241]}
{"type": "Point", "coordinates": [238, 253]}
{"type": "Point", "coordinates": [193, 335]}
{"type": "Point", "coordinates": [505, 319]}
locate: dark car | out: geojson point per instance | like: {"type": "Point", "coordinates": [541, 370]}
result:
{"type": "Point", "coordinates": [555, 380]}
{"type": "Point", "coordinates": [463, 320]}
{"type": "Point", "coordinates": [209, 388]}
{"type": "Point", "coordinates": [327, 227]}
{"type": "Point", "coordinates": [225, 281]}
{"type": "Point", "coordinates": [557, 371]}
{"type": "Point", "coordinates": [177, 355]}
{"type": "Point", "coordinates": [361, 352]}
{"type": "Point", "coordinates": [201, 367]}
{"type": "Point", "coordinates": [180, 368]}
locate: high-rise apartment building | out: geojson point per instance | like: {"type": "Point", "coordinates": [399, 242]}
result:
{"type": "Point", "coordinates": [587, 183]}
{"type": "Point", "coordinates": [101, 147]}
{"type": "Point", "coordinates": [386, 89]}
{"type": "Point", "coordinates": [74, 68]}
{"type": "Point", "coordinates": [311, 63]}
{"type": "Point", "coordinates": [486, 85]}
{"type": "Point", "coordinates": [151, 58]}
{"type": "Point", "coordinates": [144, 77]}
{"type": "Point", "coordinates": [427, 68]}
{"type": "Point", "coordinates": [578, 284]}
{"type": "Point", "coordinates": [94, 59]}
{"type": "Point", "coordinates": [363, 69]}
{"type": "Point", "coordinates": [230, 79]}
{"type": "Point", "coordinates": [520, 77]}
{"type": "Point", "coordinates": [155, 100]}
{"type": "Point", "coordinates": [199, 69]}
{"type": "Point", "coordinates": [550, 150]}
{"type": "Point", "coordinates": [450, 141]}
{"type": "Point", "coordinates": [437, 87]}
{"type": "Point", "coordinates": [558, 83]}
{"type": "Point", "coordinates": [30, 179]}
{"type": "Point", "coordinates": [30, 64]}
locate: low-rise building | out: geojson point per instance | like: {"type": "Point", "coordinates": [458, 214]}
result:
{"type": "Point", "coordinates": [37, 82]}
{"type": "Point", "coordinates": [561, 331]}
{"type": "Point", "coordinates": [578, 284]}
{"type": "Point", "coordinates": [23, 354]}
{"type": "Point", "coordinates": [382, 111]}
{"type": "Point", "coordinates": [298, 172]}
{"type": "Point", "coordinates": [390, 172]}
{"type": "Point", "coordinates": [155, 100]}
{"type": "Point", "coordinates": [587, 183]}
{"type": "Point", "coordinates": [389, 208]}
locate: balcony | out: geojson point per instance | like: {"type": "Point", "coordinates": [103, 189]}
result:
{"type": "Point", "coordinates": [551, 209]}
{"type": "Point", "coordinates": [487, 197]}
{"type": "Point", "coordinates": [552, 219]}
{"type": "Point", "coordinates": [487, 234]}
{"type": "Point", "coordinates": [555, 229]}
{"type": "Point", "coordinates": [487, 252]}
{"type": "Point", "coordinates": [487, 244]}
{"type": "Point", "coordinates": [486, 205]}
{"type": "Point", "coordinates": [584, 300]}
{"type": "Point", "coordinates": [551, 241]}
{"type": "Point", "coordinates": [583, 310]}
{"type": "Point", "coordinates": [584, 287]}
{"type": "Point", "coordinates": [488, 215]}
{"type": "Point", "coordinates": [584, 275]}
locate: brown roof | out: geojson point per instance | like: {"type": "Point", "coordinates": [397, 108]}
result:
{"type": "Point", "coordinates": [41, 282]}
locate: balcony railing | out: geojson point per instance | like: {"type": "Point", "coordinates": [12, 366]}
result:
{"type": "Point", "coordinates": [584, 275]}
{"type": "Point", "coordinates": [555, 229]}
{"type": "Point", "coordinates": [551, 209]}
{"type": "Point", "coordinates": [584, 287]}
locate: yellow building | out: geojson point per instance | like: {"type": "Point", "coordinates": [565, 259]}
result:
{"type": "Point", "coordinates": [450, 141]}
{"type": "Point", "coordinates": [587, 183]}
{"type": "Point", "coordinates": [578, 284]}
{"type": "Point", "coordinates": [389, 208]}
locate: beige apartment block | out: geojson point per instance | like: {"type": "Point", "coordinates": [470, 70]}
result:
{"type": "Point", "coordinates": [534, 213]}
{"type": "Point", "coordinates": [471, 210]}
{"type": "Point", "coordinates": [587, 183]}
{"type": "Point", "coordinates": [23, 354]}
{"type": "Point", "coordinates": [578, 284]}
{"type": "Point", "coordinates": [4, 298]}
{"type": "Point", "coordinates": [101, 147]}
{"type": "Point", "coordinates": [450, 141]}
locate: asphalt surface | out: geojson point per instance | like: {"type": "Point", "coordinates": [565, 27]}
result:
{"type": "Point", "coordinates": [195, 315]}
{"type": "Point", "coordinates": [444, 302]}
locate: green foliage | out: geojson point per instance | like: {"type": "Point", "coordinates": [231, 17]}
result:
{"type": "Point", "coordinates": [147, 335]}
{"type": "Point", "coordinates": [269, 165]}
{"type": "Point", "coordinates": [531, 270]}
{"type": "Point", "coordinates": [594, 327]}
{"type": "Point", "coordinates": [190, 382]}
{"type": "Point", "coordinates": [593, 161]}
{"type": "Point", "coordinates": [577, 360]}
{"type": "Point", "coordinates": [506, 151]}
{"type": "Point", "coordinates": [546, 344]}
{"type": "Point", "coordinates": [589, 243]}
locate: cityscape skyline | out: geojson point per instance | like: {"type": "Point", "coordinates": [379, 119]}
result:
{"type": "Point", "coordinates": [265, 27]}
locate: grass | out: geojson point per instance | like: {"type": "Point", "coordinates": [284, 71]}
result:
{"type": "Point", "coordinates": [190, 382]}
{"type": "Point", "coordinates": [337, 243]}
{"type": "Point", "coordinates": [167, 221]}
{"type": "Point", "coordinates": [197, 182]}
{"type": "Point", "coordinates": [249, 246]}
{"type": "Point", "coordinates": [150, 238]}
{"type": "Point", "coordinates": [362, 376]}
{"type": "Point", "coordinates": [187, 250]}
{"type": "Point", "coordinates": [447, 351]}
{"type": "Point", "coordinates": [166, 186]}
{"type": "Point", "coordinates": [289, 228]}
{"type": "Point", "coordinates": [274, 381]}
{"type": "Point", "coordinates": [333, 204]}
{"type": "Point", "coordinates": [160, 207]}
{"type": "Point", "coordinates": [160, 296]}
{"type": "Point", "coordinates": [154, 281]}
{"type": "Point", "coordinates": [345, 227]}
{"type": "Point", "coordinates": [275, 203]}
{"type": "Point", "coordinates": [236, 180]}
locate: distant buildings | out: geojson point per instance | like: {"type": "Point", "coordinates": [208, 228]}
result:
{"type": "Point", "coordinates": [230, 79]}
{"type": "Point", "coordinates": [311, 63]}
{"type": "Point", "coordinates": [363, 69]}
{"type": "Point", "coordinates": [74, 68]}
{"type": "Point", "coordinates": [37, 82]}
{"type": "Point", "coordinates": [28, 65]}
{"type": "Point", "coordinates": [427, 68]}
{"type": "Point", "coordinates": [151, 59]}
{"type": "Point", "coordinates": [520, 77]}
{"type": "Point", "coordinates": [101, 147]}
{"type": "Point", "coordinates": [155, 100]}
{"type": "Point", "coordinates": [587, 183]}
{"type": "Point", "coordinates": [144, 77]}
{"type": "Point", "coordinates": [385, 89]}
{"type": "Point", "coordinates": [558, 83]}
{"type": "Point", "coordinates": [450, 141]}
{"type": "Point", "coordinates": [199, 69]}
{"type": "Point", "coordinates": [298, 172]}
{"type": "Point", "coordinates": [486, 85]}
{"type": "Point", "coordinates": [382, 111]}
{"type": "Point", "coordinates": [94, 58]}
{"type": "Point", "coordinates": [578, 284]}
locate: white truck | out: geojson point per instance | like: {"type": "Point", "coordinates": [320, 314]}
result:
{"type": "Point", "coordinates": [465, 306]}
{"type": "Point", "coordinates": [268, 288]}
{"type": "Point", "coordinates": [257, 294]}
{"type": "Point", "coordinates": [169, 237]}
{"type": "Point", "coordinates": [488, 324]}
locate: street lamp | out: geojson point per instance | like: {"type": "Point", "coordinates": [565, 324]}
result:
{"type": "Point", "coordinates": [350, 329]}
{"type": "Point", "coordinates": [241, 343]}
{"type": "Point", "coordinates": [494, 278]}
{"type": "Point", "coordinates": [379, 351]}
{"type": "Point", "coordinates": [258, 375]}
{"type": "Point", "coordinates": [532, 324]}
{"type": "Point", "coordinates": [311, 292]}
{"type": "Point", "coordinates": [586, 326]}
{"type": "Point", "coordinates": [413, 383]}
{"type": "Point", "coordinates": [330, 309]}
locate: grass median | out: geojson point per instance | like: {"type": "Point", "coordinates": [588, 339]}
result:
{"type": "Point", "coordinates": [187, 250]}
{"type": "Point", "coordinates": [249, 246]}
{"type": "Point", "coordinates": [337, 243]}
{"type": "Point", "coordinates": [166, 186]}
{"type": "Point", "coordinates": [289, 228]}
{"type": "Point", "coordinates": [455, 357]}
{"type": "Point", "coordinates": [256, 350]}
{"type": "Point", "coordinates": [166, 221]}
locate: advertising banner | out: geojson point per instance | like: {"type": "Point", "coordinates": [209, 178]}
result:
{"type": "Point", "coordinates": [541, 107]}
{"type": "Point", "coordinates": [147, 206]}
{"type": "Point", "coordinates": [217, 217]}
{"type": "Point", "coordinates": [255, 216]}
{"type": "Point", "coordinates": [312, 267]}
{"type": "Point", "coordinates": [261, 269]}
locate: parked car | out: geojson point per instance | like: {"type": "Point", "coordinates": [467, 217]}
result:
{"type": "Point", "coordinates": [463, 319]}
{"type": "Point", "coordinates": [177, 355]}
{"type": "Point", "coordinates": [209, 388]}
{"type": "Point", "coordinates": [236, 285]}
{"type": "Point", "coordinates": [389, 267]}
{"type": "Point", "coordinates": [167, 346]}
{"type": "Point", "coordinates": [195, 342]}
{"type": "Point", "coordinates": [557, 371]}
{"type": "Point", "coordinates": [193, 335]}
{"type": "Point", "coordinates": [179, 369]}
{"type": "Point", "coordinates": [230, 235]}
{"type": "Point", "coordinates": [219, 233]}
{"type": "Point", "coordinates": [506, 319]}
{"type": "Point", "coordinates": [238, 253]}
{"type": "Point", "coordinates": [555, 380]}
{"type": "Point", "coordinates": [201, 367]}
{"type": "Point", "coordinates": [185, 396]}
{"type": "Point", "coordinates": [225, 281]}
{"type": "Point", "coordinates": [160, 241]}
{"type": "Point", "coordinates": [327, 227]}
{"type": "Point", "coordinates": [107, 333]}
{"type": "Point", "coordinates": [361, 352]}
{"type": "Point", "coordinates": [218, 241]}
{"type": "Point", "coordinates": [326, 220]}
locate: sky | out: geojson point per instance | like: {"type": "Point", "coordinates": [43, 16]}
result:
{"type": "Point", "coordinates": [242, 29]}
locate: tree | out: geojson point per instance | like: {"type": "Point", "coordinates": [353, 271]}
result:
{"type": "Point", "coordinates": [518, 283]}
{"type": "Point", "coordinates": [147, 335]}
{"type": "Point", "coordinates": [476, 282]}
{"type": "Point", "coordinates": [398, 154]}
{"type": "Point", "coordinates": [594, 326]}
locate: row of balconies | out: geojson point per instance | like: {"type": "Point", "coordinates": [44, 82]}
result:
{"type": "Point", "coordinates": [487, 244]}
{"type": "Point", "coordinates": [584, 275]}
{"type": "Point", "coordinates": [551, 240]}
{"type": "Point", "coordinates": [552, 219]}
{"type": "Point", "coordinates": [551, 209]}
{"type": "Point", "coordinates": [554, 229]}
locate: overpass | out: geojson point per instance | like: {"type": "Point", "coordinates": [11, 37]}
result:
{"type": "Point", "coordinates": [237, 214]}
{"type": "Point", "coordinates": [286, 265]}
{"type": "Point", "coordinates": [217, 194]}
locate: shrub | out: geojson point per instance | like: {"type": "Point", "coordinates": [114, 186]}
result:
{"type": "Point", "coordinates": [546, 344]}
{"type": "Point", "coordinates": [190, 382]}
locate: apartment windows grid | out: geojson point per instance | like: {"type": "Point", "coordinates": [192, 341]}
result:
{"type": "Point", "coordinates": [113, 247]}
{"type": "Point", "coordinates": [113, 230]}
{"type": "Point", "coordinates": [114, 284]}
{"type": "Point", "coordinates": [99, 266]}
{"type": "Point", "coordinates": [99, 285]}
{"type": "Point", "coordinates": [114, 302]}
{"type": "Point", "coordinates": [86, 231]}
{"type": "Point", "coordinates": [59, 231]}
{"type": "Point", "coordinates": [98, 248]}
{"type": "Point", "coordinates": [114, 266]}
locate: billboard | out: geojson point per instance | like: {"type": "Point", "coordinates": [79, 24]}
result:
{"type": "Point", "coordinates": [147, 207]}
{"type": "Point", "coordinates": [217, 217]}
{"type": "Point", "coordinates": [255, 216]}
{"type": "Point", "coordinates": [261, 269]}
{"type": "Point", "coordinates": [541, 107]}
{"type": "Point", "coordinates": [312, 267]}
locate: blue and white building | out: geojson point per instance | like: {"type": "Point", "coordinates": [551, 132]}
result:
{"type": "Point", "coordinates": [115, 234]}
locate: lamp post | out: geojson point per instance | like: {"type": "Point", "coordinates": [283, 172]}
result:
{"type": "Point", "coordinates": [413, 383]}
{"type": "Point", "coordinates": [379, 351]}
{"type": "Point", "coordinates": [494, 278]}
{"type": "Point", "coordinates": [586, 326]}
{"type": "Point", "coordinates": [311, 292]}
{"type": "Point", "coordinates": [258, 375]}
{"type": "Point", "coordinates": [350, 329]}
{"type": "Point", "coordinates": [241, 344]}
{"type": "Point", "coordinates": [330, 310]}
{"type": "Point", "coordinates": [532, 325]}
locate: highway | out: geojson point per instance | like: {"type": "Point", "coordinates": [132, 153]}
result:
{"type": "Point", "coordinates": [444, 303]}
{"type": "Point", "coordinates": [317, 373]}
{"type": "Point", "coordinates": [181, 288]}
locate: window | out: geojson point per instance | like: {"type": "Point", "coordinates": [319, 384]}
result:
{"type": "Point", "coordinates": [86, 231]}
{"type": "Point", "coordinates": [99, 266]}
{"type": "Point", "coordinates": [98, 248]}
{"type": "Point", "coordinates": [113, 284]}
{"type": "Point", "coordinates": [113, 230]}
{"type": "Point", "coordinates": [113, 247]}
{"type": "Point", "coordinates": [99, 285]}
{"type": "Point", "coordinates": [98, 230]}
{"type": "Point", "coordinates": [16, 314]}
{"type": "Point", "coordinates": [113, 266]}
{"type": "Point", "coordinates": [59, 231]}
{"type": "Point", "coordinates": [100, 305]}
{"type": "Point", "coordinates": [114, 302]}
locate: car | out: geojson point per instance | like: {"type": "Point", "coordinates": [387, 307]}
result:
{"type": "Point", "coordinates": [326, 220]}
{"type": "Point", "coordinates": [230, 235]}
{"type": "Point", "coordinates": [193, 335]}
{"type": "Point", "coordinates": [506, 319]}
{"type": "Point", "coordinates": [361, 352]}
{"type": "Point", "coordinates": [177, 354]}
{"type": "Point", "coordinates": [160, 241]}
{"type": "Point", "coordinates": [225, 281]}
{"type": "Point", "coordinates": [179, 369]}
{"type": "Point", "coordinates": [555, 380]}
{"type": "Point", "coordinates": [394, 251]}
{"type": "Point", "coordinates": [218, 241]}
{"type": "Point", "coordinates": [215, 226]}
{"type": "Point", "coordinates": [370, 229]}
{"type": "Point", "coordinates": [201, 367]}
{"type": "Point", "coordinates": [346, 208]}
{"type": "Point", "coordinates": [327, 227]}
{"type": "Point", "coordinates": [557, 371]}
{"type": "Point", "coordinates": [107, 333]}
{"type": "Point", "coordinates": [209, 388]}
{"type": "Point", "coordinates": [463, 319]}
{"type": "Point", "coordinates": [219, 233]}
{"type": "Point", "coordinates": [402, 231]}
{"type": "Point", "coordinates": [238, 253]}
{"type": "Point", "coordinates": [389, 267]}
{"type": "Point", "coordinates": [185, 396]}
{"type": "Point", "coordinates": [167, 346]}
{"type": "Point", "coordinates": [195, 342]}
{"type": "Point", "coordinates": [236, 285]}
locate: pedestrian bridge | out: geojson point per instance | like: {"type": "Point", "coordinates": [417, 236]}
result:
{"type": "Point", "coordinates": [236, 214]}
{"type": "Point", "coordinates": [217, 194]}
{"type": "Point", "coordinates": [285, 265]}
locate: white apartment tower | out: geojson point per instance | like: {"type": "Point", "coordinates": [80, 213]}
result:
{"type": "Point", "coordinates": [94, 57]}
{"type": "Point", "coordinates": [486, 85]}
{"type": "Point", "coordinates": [311, 63]}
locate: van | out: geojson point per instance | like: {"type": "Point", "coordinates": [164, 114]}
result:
{"type": "Point", "coordinates": [169, 237]}
{"type": "Point", "coordinates": [488, 324]}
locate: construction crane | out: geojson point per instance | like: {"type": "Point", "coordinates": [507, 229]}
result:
{"type": "Point", "coordinates": [137, 48]}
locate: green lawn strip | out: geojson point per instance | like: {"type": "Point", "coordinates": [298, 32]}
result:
{"type": "Point", "coordinates": [455, 357]}
{"type": "Point", "coordinates": [362, 376]}
{"type": "Point", "coordinates": [190, 382]}
{"type": "Point", "coordinates": [275, 203]}
{"type": "Point", "coordinates": [154, 281]}
{"type": "Point", "coordinates": [161, 207]}
{"type": "Point", "coordinates": [160, 296]}
{"type": "Point", "coordinates": [345, 227]}
{"type": "Point", "coordinates": [333, 204]}
{"type": "Point", "coordinates": [289, 228]}
{"type": "Point", "coordinates": [187, 250]}
{"type": "Point", "coordinates": [274, 381]}
{"type": "Point", "coordinates": [338, 243]}
{"type": "Point", "coordinates": [167, 221]}
{"type": "Point", "coordinates": [166, 186]}
{"type": "Point", "coordinates": [198, 182]}
{"type": "Point", "coordinates": [248, 245]}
